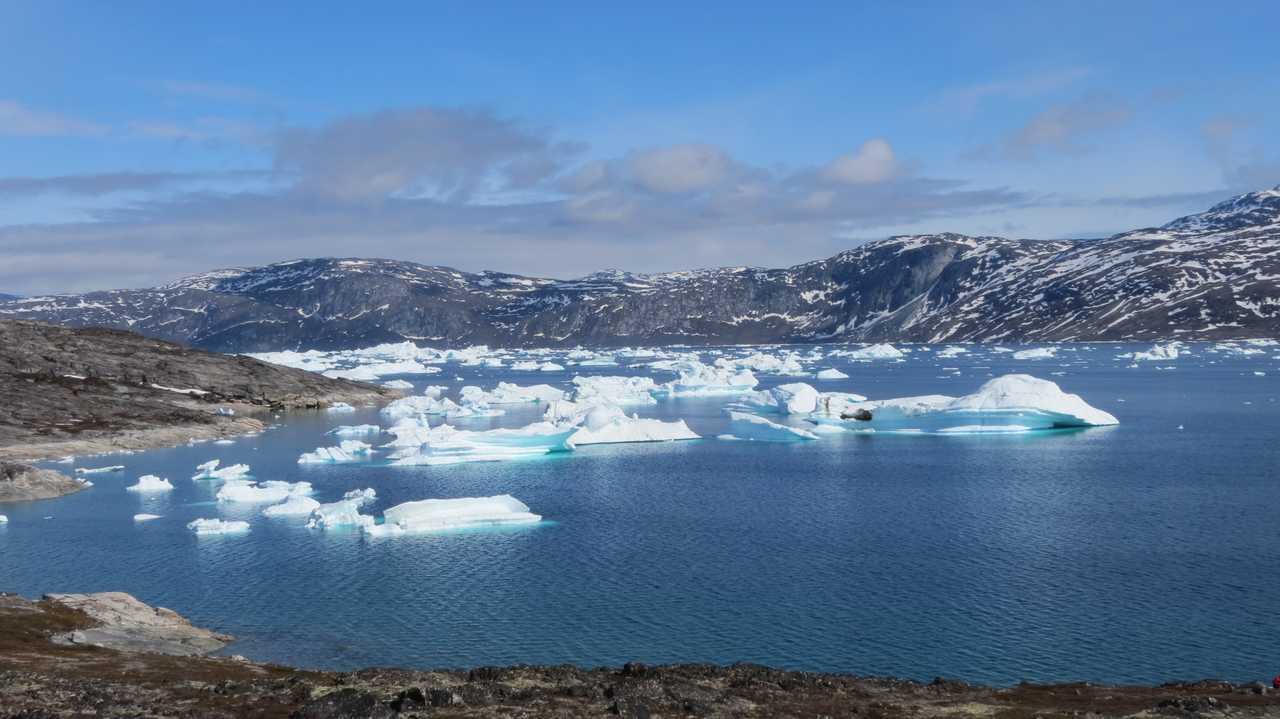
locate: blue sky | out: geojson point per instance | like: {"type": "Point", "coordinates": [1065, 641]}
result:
{"type": "Point", "coordinates": [145, 141]}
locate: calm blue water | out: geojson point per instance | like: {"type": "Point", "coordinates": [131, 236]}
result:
{"type": "Point", "coordinates": [1133, 553]}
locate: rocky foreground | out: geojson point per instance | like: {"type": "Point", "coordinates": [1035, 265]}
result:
{"type": "Point", "coordinates": [108, 655]}
{"type": "Point", "coordinates": [88, 391]}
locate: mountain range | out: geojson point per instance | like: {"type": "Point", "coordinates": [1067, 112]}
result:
{"type": "Point", "coordinates": [1212, 275]}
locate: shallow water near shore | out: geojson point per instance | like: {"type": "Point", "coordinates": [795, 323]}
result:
{"type": "Point", "coordinates": [1143, 552]}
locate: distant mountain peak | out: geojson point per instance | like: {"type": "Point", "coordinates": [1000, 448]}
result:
{"type": "Point", "coordinates": [1252, 209]}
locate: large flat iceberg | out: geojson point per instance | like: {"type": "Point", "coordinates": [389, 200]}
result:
{"type": "Point", "coordinates": [1011, 403]}
{"type": "Point", "coordinates": [210, 470]}
{"type": "Point", "coordinates": [349, 450]}
{"type": "Point", "coordinates": [217, 526]}
{"type": "Point", "coordinates": [246, 492]}
{"type": "Point", "coordinates": [608, 424]}
{"type": "Point", "coordinates": [698, 379]}
{"type": "Point", "coordinates": [754, 427]}
{"type": "Point", "coordinates": [433, 515]}
{"type": "Point", "coordinates": [446, 444]}
{"type": "Point", "coordinates": [615, 390]}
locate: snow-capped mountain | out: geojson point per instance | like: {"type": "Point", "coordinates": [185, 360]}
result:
{"type": "Point", "coordinates": [1206, 276]}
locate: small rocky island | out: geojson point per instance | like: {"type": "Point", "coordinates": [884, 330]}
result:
{"type": "Point", "coordinates": [24, 483]}
{"type": "Point", "coordinates": [87, 391]}
{"type": "Point", "coordinates": [110, 655]}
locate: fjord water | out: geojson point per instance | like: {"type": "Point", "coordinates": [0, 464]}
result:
{"type": "Point", "coordinates": [1144, 552]}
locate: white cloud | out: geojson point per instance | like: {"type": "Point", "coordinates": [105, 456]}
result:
{"type": "Point", "coordinates": [20, 120]}
{"type": "Point", "coordinates": [679, 168]}
{"type": "Point", "coordinates": [873, 162]}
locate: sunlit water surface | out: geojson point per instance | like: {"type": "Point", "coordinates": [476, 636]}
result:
{"type": "Point", "coordinates": [1144, 552]}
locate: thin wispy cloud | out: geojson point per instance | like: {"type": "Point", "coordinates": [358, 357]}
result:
{"type": "Point", "coordinates": [19, 120]}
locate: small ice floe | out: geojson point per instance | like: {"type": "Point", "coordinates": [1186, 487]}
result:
{"type": "Point", "coordinates": [100, 470]}
{"type": "Point", "coordinates": [145, 517]}
{"type": "Point", "coordinates": [697, 379]}
{"type": "Point", "coordinates": [348, 450]}
{"type": "Point", "coordinates": [417, 444]}
{"type": "Point", "coordinates": [873, 352]}
{"type": "Point", "coordinates": [398, 384]}
{"type": "Point", "coordinates": [608, 424]}
{"type": "Point", "coordinates": [355, 430]}
{"type": "Point", "coordinates": [1011, 403]}
{"type": "Point", "coordinates": [420, 405]}
{"type": "Point", "coordinates": [224, 441]}
{"type": "Point", "coordinates": [4, 519]}
{"type": "Point", "coordinates": [435, 515]}
{"type": "Point", "coordinates": [343, 513]}
{"type": "Point", "coordinates": [295, 506]}
{"type": "Point", "coordinates": [831, 373]}
{"type": "Point", "coordinates": [950, 351]}
{"type": "Point", "coordinates": [66, 460]}
{"type": "Point", "coordinates": [218, 526]}
{"type": "Point", "coordinates": [614, 390]}
{"type": "Point", "coordinates": [795, 398]}
{"type": "Point", "coordinates": [1259, 373]}
{"type": "Point", "coordinates": [245, 492]}
{"type": "Point", "coordinates": [754, 427]}
{"type": "Point", "coordinates": [210, 470]}
{"type": "Point", "coordinates": [151, 483]}
{"type": "Point", "coordinates": [340, 407]}
{"type": "Point", "coordinates": [1036, 353]}
{"type": "Point", "coordinates": [788, 364]}
{"type": "Point", "coordinates": [550, 367]}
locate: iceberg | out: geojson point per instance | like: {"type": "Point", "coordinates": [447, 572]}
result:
{"type": "Point", "coordinates": [398, 384]}
{"type": "Point", "coordinates": [150, 483]}
{"type": "Point", "coordinates": [355, 430]}
{"type": "Point", "coordinates": [349, 450]}
{"type": "Point", "coordinates": [873, 352]}
{"type": "Point", "coordinates": [433, 515]}
{"type": "Point", "coordinates": [789, 364]}
{"type": "Point", "coordinates": [343, 513]}
{"type": "Point", "coordinates": [831, 374]}
{"type": "Point", "coordinates": [217, 526]}
{"type": "Point", "coordinates": [100, 470]}
{"type": "Point", "coordinates": [145, 517]}
{"type": "Point", "coordinates": [615, 390]}
{"type": "Point", "coordinates": [209, 470]}
{"type": "Point", "coordinates": [1037, 353]}
{"type": "Point", "coordinates": [1168, 351]}
{"type": "Point", "coordinates": [446, 444]}
{"type": "Point", "coordinates": [950, 352]}
{"type": "Point", "coordinates": [608, 424]}
{"type": "Point", "coordinates": [341, 407]}
{"type": "Point", "coordinates": [508, 393]}
{"type": "Point", "coordinates": [1010, 403]}
{"type": "Point", "coordinates": [245, 492]}
{"type": "Point", "coordinates": [550, 367]}
{"type": "Point", "coordinates": [698, 379]}
{"type": "Point", "coordinates": [295, 506]}
{"type": "Point", "coordinates": [4, 519]}
{"type": "Point", "coordinates": [754, 427]}
{"type": "Point", "coordinates": [796, 398]}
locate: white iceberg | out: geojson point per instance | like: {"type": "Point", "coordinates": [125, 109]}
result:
{"type": "Point", "coordinates": [697, 379]}
{"type": "Point", "coordinates": [509, 393]}
{"type": "Point", "coordinates": [446, 444]}
{"type": "Point", "coordinates": [550, 367]}
{"type": "Point", "coordinates": [345, 512]}
{"type": "Point", "coordinates": [341, 407]}
{"type": "Point", "coordinates": [608, 424]}
{"type": "Point", "coordinates": [433, 515]}
{"type": "Point", "coordinates": [1168, 351]}
{"type": "Point", "coordinates": [3, 519]}
{"type": "Point", "coordinates": [150, 483]}
{"type": "Point", "coordinates": [243, 492]}
{"type": "Point", "coordinates": [100, 470]}
{"type": "Point", "coordinates": [217, 526]}
{"type": "Point", "coordinates": [295, 506]}
{"type": "Point", "coordinates": [398, 384]}
{"type": "Point", "coordinates": [1010, 403]}
{"type": "Point", "coordinates": [355, 430]}
{"type": "Point", "coordinates": [349, 450]}
{"type": "Point", "coordinates": [1037, 353]}
{"type": "Point", "coordinates": [950, 351]}
{"type": "Point", "coordinates": [788, 364]}
{"type": "Point", "coordinates": [795, 398]}
{"type": "Point", "coordinates": [831, 373]}
{"type": "Point", "coordinates": [747, 426]}
{"type": "Point", "coordinates": [210, 470]}
{"type": "Point", "coordinates": [145, 517]}
{"type": "Point", "coordinates": [873, 352]}
{"type": "Point", "coordinates": [614, 390]}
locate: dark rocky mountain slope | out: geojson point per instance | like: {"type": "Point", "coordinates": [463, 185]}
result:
{"type": "Point", "coordinates": [1213, 275]}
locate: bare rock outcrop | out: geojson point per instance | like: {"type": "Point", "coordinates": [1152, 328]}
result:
{"type": "Point", "coordinates": [123, 623]}
{"type": "Point", "coordinates": [24, 483]}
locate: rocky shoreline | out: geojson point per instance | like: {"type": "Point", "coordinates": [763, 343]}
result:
{"type": "Point", "coordinates": [24, 483]}
{"type": "Point", "coordinates": [95, 391]}
{"type": "Point", "coordinates": [109, 655]}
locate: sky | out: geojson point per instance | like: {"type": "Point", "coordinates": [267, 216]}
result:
{"type": "Point", "coordinates": [144, 141]}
